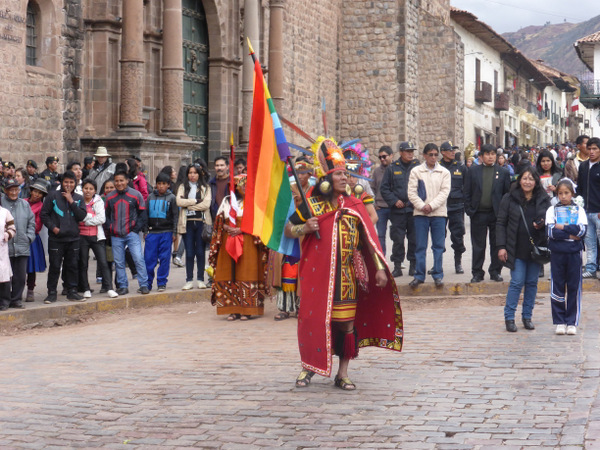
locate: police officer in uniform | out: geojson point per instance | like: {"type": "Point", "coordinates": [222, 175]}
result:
{"type": "Point", "coordinates": [32, 168]}
{"type": "Point", "coordinates": [394, 190]}
{"type": "Point", "coordinates": [456, 202]}
{"type": "Point", "coordinates": [51, 175]}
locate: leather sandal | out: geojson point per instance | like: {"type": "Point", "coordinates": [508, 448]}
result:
{"type": "Point", "coordinates": [304, 378]}
{"type": "Point", "coordinates": [344, 383]}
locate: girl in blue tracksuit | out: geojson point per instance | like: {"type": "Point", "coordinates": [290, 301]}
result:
{"type": "Point", "coordinates": [566, 224]}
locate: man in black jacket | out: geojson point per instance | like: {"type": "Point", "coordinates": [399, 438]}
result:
{"type": "Point", "coordinates": [588, 186]}
{"type": "Point", "coordinates": [485, 185]}
{"type": "Point", "coordinates": [61, 213]}
{"type": "Point", "coordinates": [394, 190]}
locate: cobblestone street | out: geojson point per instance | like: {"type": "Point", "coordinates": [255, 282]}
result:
{"type": "Point", "coordinates": [180, 376]}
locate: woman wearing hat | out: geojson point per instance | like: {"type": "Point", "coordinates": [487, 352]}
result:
{"type": "Point", "coordinates": [343, 275]}
{"type": "Point", "coordinates": [37, 259]}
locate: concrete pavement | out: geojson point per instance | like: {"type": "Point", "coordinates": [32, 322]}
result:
{"type": "Point", "coordinates": [181, 377]}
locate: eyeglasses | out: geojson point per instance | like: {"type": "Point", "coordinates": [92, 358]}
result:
{"type": "Point", "coordinates": [432, 154]}
{"type": "Point", "coordinates": [383, 156]}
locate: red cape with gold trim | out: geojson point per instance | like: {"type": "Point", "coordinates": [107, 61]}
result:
{"type": "Point", "coordinates": [378, 315]}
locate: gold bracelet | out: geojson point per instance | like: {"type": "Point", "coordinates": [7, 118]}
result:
{"type": "Point", "coordinates": [298, 230]}
{"type": "Point", "coordinates": [378, 263]}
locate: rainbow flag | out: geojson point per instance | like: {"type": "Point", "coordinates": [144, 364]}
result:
{"type": "Point", "coordinates": [268, 203]}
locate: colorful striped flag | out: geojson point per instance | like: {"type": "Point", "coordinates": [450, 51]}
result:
{"type": "Point", "coordinates": [268, 203]}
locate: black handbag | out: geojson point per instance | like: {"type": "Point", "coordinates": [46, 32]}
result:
{"type": "Point", "coordinates": [207, 232]}
{"type": "Point", "coordinates": [540, 255]}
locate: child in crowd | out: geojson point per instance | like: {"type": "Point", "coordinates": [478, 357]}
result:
{"type": "Point", "coordinates": [37, 259]}
{"type": "Point", "coordinates": [566, 224]}
{"type": "Point", "coordinates": [92, 237]}
{"type": "Point", "coordinates": [162, 226]}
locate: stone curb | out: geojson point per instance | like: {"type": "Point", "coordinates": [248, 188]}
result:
{"type": "Point", "coordinates": [64, 312]}
{"type": "Point", "coordinates": [16, 318]}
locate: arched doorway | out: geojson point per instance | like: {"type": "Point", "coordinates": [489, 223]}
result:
{"type": "Point", "coordinates": [195, 76]}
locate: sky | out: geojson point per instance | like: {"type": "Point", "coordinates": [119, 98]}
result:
{"type": "Point", "coordinates": [511, 15]}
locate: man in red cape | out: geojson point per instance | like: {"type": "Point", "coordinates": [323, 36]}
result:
{"type": "Point", "coordinates": [348, 297]}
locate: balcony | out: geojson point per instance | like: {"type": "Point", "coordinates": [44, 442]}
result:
{"type": "Point", "coordinates": [501, 101]}
{"type": "Point", "coordinates": [590, 93]}
{"type": "Point", "coordinates": [483, 92]}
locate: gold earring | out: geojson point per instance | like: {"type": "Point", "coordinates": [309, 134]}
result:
{"type": "Point", "coordinates": [325, 187]}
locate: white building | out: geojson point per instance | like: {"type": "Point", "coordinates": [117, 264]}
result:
{"type": "Point", "coordinates": [588, 50]}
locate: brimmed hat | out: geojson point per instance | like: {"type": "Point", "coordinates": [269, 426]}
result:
{"type": "Point", "coordinates": [40, 185]}
{"type": "Point", "coordinates": [407, 145]}
{"type": "Point", "coordinates": [51, 159]}
{"type": "Point", "coordinates": [101, 151]}
{"type": "Point", "coordinates": [10, 183]}
{"type": "Point", "coordinates": [32, 163]}
{"type": "Point", "coordinates": [448, 145]}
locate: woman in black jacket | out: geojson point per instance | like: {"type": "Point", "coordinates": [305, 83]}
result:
{"type": "Point", "coordinates": [514, 246]}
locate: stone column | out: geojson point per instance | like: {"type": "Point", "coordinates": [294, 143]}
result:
{"type": "Point", "coordinates": [252, 31]}
{"type": "Point", "coordinates": [172, 70]}
{"type": "Point", "coordinates": [132, 67]}
{"type": "Point", "coordinates": [276, 53]}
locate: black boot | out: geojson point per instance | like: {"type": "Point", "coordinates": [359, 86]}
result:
{"type": "Point", "coordinates": [458, 265]}
{"type": "Point", "coordinates": [541, 272]}
{"type": "Point", "coordinates": [511, 326]}
{"type": "Point", "coordinates": [397, 272]}
{"type": "Point", "coordinates": [411, 269]}
{"type": "Point", "coordinates": [528, 324]}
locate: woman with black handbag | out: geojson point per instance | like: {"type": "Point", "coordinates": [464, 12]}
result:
{"type": "Point", "coordinates": [521, 240]}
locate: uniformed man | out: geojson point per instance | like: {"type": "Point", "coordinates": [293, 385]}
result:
{"type": "Point", "coordinates": [456, 202]}
{"type": "Point", "coordinates": [32, 169]}
{"type": "Point", "coordinates": [51, 174]}
{"type": "Point", "coordinates": [394, 190]}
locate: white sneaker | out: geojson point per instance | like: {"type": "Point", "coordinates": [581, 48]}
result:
{"type": "Point", "coordinates": [571, 330]}
{"type": "Point", "coordinates": [201, 285]}
{"type": "Point", "coordinates": [87, 294]}
{"type": "Point", "coordinates": [187, 286]}
{"type": "Point", "coordinates": [112, 294]}
{"type": "Point", "coordinates": [561, 329]}
{"type": "Point", "coordinates": [178, 262]}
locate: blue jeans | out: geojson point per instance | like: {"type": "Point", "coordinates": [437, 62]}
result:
{"type": "Point", "coordinates": [437, 225]}
{"type": "Point", "coordinates": [383, 217]}
{"type": "Point", "coordinates": [525, 273]}
{"type": "Point", "coordinates": [591, 242]}
{"type": "Point", "coordinates": [132, 240]}
{"type": "Point", "coordinates": [158, 251]}
{"type": "Point", "coordinates": [194, 249]}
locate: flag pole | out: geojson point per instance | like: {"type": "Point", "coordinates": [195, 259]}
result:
{"type": "Point", "coordinates": [289, 158]}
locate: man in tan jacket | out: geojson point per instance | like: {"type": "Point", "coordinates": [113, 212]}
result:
{"type": "Point", "coordinates": [428, 190]}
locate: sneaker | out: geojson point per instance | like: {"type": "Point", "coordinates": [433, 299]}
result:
{"type": "Point", "coordinates": [143, 290]}
{"type": "Point", "coordinates": [75, 297]}
{"type": "Point", "coordinates": [50, 299]}
{"type": "Point", "coordinates": [123, 291]}
{"type": "Point", "coordinates": [571, 330]}
{"type": "Point", "coordinates": [201, 284]}
{"type": "Point", "coordinates": [112, 294]}
{"type": "Point", "coordinates": [162, 288]}
{"type": "Point", "coordinates": [587, 274]}
{"type": "Point", "coordinates": [103, 291]}
{"type": "Point", "coordinates": [187, 286]}
{"type": "Point", "coordinates": [99, 280]}
{"type": "Point", "coordinates": [561, 329]}
{"type": "Point", "coordinates": [87, 294]}
{"type": "Point", "coordinates": [30, 296]}
{"type": "Point", "coordinates": [178, 262]}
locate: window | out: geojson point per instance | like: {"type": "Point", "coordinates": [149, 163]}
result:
{"type": "Point", "coordinates": [495, 83]}
{"type": "Point", "coordinates": [32, 34]}
{"type": "Point", "coordinates": [477, 74]}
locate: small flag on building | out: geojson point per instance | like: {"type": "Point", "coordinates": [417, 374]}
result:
{"type": "Point", "coordinates": [575, 104]}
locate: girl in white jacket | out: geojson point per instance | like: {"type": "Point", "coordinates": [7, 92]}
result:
{"type": "Point", "coordinates": [92, 237]}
